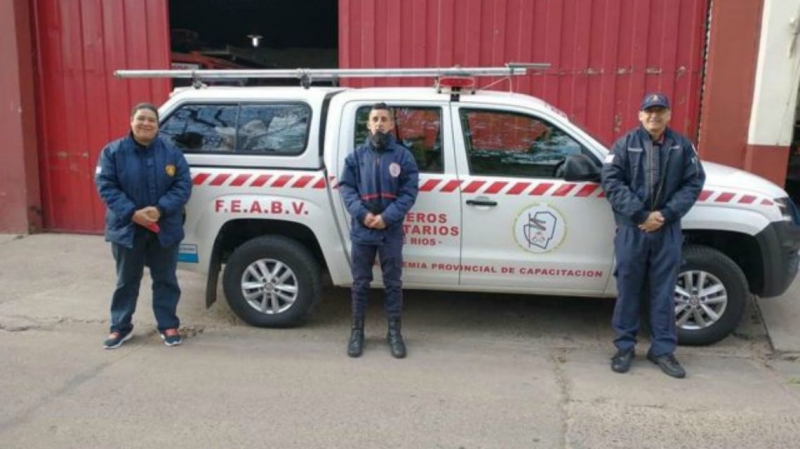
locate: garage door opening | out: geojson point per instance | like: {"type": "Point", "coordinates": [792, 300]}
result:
{"type": "Point", "coordinates": [248, 34]}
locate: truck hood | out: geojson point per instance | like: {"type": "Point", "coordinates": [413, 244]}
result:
{"type": "Point", "coordinates": [723, 177]}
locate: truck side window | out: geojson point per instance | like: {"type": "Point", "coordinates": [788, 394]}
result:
{"type": "Point", "coordinates": [417, 128]}
{"type": "Point", "coordinates": [509, 144]}
{"type": "Point", "coordinates": [274, 129]}
{"type": "Point", "coordinates": [202, 128]}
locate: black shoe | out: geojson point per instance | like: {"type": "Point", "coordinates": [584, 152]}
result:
{"type": "Point", "coordinates": [395, 339]}
{"type": "Point", "coordinates": [356, 344]}
{"type": "Point", "coordinates": [621, 362]}
{"type": "Point", "coordinates": [669, 364]}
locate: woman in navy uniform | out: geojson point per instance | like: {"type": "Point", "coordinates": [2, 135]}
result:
{"type": "Point", "coordinates": [145, 183]}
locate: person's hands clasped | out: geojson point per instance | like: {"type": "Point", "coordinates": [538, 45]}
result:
{"type": "Point", "coordinates": [146, 216]}
{"type": "Point", "coordinates": [373, 221]}
{"type": "Point", "coordinates": [653, 223]}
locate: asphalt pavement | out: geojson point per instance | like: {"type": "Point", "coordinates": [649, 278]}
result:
{"type": "Point", "coordinates": [484, 371]}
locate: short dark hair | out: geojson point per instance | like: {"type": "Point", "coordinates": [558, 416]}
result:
{"type": "Point", "coordinates": [141, 106]}
{"type": "Point", "coordinates": [383, 107]}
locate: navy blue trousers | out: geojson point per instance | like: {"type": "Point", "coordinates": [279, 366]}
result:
{"type": "Point", "coordinates": [130, 267]}
{"type": "Point", "coordinates": [390, 254]}
{"type": "Point", "coordinates": [647, 261]}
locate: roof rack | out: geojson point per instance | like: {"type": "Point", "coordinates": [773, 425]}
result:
{"type": "Point", "coordinates": [307, 76]}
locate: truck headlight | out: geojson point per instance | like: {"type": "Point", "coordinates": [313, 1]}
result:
{"type": "Point", "coordinates": [788, 209]}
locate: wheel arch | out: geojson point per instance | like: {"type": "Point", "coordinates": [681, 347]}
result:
{"type": "Point", "coordinates": [741, 248]}
{"type": "Point", "coordinates": [235, 233]}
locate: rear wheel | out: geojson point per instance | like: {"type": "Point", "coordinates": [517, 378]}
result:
{"type": "Point", "coordinates": [710, 296]}
{"type": "Point", "coordinates": [272, 281]}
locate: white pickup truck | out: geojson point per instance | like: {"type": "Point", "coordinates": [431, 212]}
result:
{"type": "Point", "coordinates": [509, 202]}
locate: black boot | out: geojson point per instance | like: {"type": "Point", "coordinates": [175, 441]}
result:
{"type": "Point", "coordinates": [395, 339]}
{"type": "Point", "coordinates": [356, 345]}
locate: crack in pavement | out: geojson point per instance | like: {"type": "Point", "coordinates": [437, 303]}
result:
{"type": "Point", "coordinates": [69, 386]}
{"type": "Point", "coordinates": [20, 323]}
{"type": "Point", "coordinates": [8, 238]}
{"type": "Point", "coordinates": [559, 358]}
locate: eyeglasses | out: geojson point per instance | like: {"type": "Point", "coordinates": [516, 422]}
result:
{"type": "Point", "coordinates": [655, 111]}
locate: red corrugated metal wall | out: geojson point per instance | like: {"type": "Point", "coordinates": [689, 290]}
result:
{"type": "Point", "coordinates": [80, 105]}
{"type": "Point", "coordinates": [604, 54]}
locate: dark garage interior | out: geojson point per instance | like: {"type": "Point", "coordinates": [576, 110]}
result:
{"type": "Point", "coordinates": [243, 34]}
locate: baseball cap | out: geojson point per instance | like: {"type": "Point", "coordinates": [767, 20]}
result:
{"type": "Point", "coordinates": [651, 100]}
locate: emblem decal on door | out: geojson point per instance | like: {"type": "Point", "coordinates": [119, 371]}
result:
{"type": "Point", "coordinates": [539, 228]}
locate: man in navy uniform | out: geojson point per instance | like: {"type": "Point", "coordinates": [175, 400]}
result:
{"type": "Point", "coordinates": [144, 182]}
{"type": "Point", "coordinates": [652, 177]}
{"type": "Point", "coordinates": [379, 186]}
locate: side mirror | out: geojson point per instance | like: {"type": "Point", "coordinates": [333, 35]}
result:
{"type": "Point", "coordinates": [580, 168]}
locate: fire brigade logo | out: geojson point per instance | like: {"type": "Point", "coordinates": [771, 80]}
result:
{"type": "Point", "coordinates": [170, 169]}
{"type": "Point", "coordinates": [539, 228]}
{"type": "Point", "coordinates": [394, 169]}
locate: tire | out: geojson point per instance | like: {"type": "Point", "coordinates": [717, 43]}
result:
{"type": "Point", "coordinates": [288, 298]}
{"type": "Point", "coordinates": [716, 284]}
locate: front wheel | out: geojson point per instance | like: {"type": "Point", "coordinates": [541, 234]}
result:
{"type": "Point", "coordinates": [710, 296]}
{"type": "Point", "coordinates": [272, 281]}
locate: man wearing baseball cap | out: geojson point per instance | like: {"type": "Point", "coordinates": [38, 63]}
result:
{"type": "Point", "coordinates": [651, 177]}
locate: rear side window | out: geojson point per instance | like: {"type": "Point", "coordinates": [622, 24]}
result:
{"type": "Point", "coordinates": [417, 128]}
{"type": "Point", "coordinates": [269, 129]}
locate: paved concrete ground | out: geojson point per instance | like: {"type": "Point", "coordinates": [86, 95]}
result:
{"type": "Point", "coordinates": [782, 318]}
{"type": "Point", "coordinates": [483, 371]}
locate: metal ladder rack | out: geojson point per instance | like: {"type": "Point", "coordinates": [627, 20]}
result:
{"type": "Point", "coordinates": [307, 76]}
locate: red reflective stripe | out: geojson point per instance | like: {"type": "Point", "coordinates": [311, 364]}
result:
{"type": "Point", "coordinates": [220, 179]}
{"type": "Point", "coordinates": [240, 180]}
{"type": "Point", "coordinates": [320, 183]}
{"type": "Point", "coordinates": [281, 181]}
{"type": "Point", "coordinates": [747, 199]}
{"type": "Point", "coordinates": [452, 185]}
{"type": "Point", "coordinates": [564, 190]}
{"type": "Point", "coordinates": [372, 196]}
{"type": "Point", "coordinates": [429, 185]}
{"type": "Point", "coordinates": [766, 202]}
{"type": "Point", "coordinates": [260, 181]}
{"type": "Point", "coordinates": [602, 195]}
{"type": "Point", "coordinates": [302, 182]}
{"type": "Point", "coordinates": [704, 195]}
{"type": "Point", "coordinates": [474, 186]}
{"type": "Point", "coordinates": [200, 178]}
{"type": "Point", "coordinates": [587, 190]}
{"type": "Point", "coordinates": [496, 187]}
{"type": "Point", "coordinates": [541, 189]}
{"type": "Point", "coordinates": [725, 197]}
{"type": "Point", "coordinates": [518, 188]}
{"type": "Point", "coordinates": [334, 182]}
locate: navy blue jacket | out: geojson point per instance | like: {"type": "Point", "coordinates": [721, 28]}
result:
{"type": "Point", "coordinates": [384, 183]}
{"type": "Point", "coordinates": [627, 166]}
{"type": "Point", "coordinates": [130, 176]}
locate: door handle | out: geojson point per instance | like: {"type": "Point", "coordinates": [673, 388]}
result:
{"type": "Point", "coordinates": [481, 203]}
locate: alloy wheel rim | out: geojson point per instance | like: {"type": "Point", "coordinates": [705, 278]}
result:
{"type": "Point", "coordinates": [700, 300]}
{"type": "Point", "coordinates": [269, 286]}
